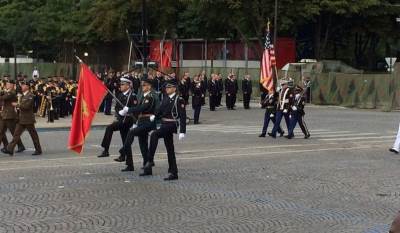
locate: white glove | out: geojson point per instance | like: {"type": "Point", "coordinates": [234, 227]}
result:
{"type": "Point", "coordinates": [285, 111]}
{"type": "Point", "coordinates": [126, 109]}
{"type": "Point", "coordinates": [122, 113]}
{"type": "Point", "coordinates": [152, 118]}
{"type": "Point", "coordinates": [294, 108]}
{"type": "Point", "coordinates": [272, 115]}
{"type": "Point", "coordinates": [181, 136]}
{"type": "Point", "coordinates": [133, 126]}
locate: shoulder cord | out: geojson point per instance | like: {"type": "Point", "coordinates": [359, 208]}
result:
{"type": "Point", "coordinates": [174, 111]}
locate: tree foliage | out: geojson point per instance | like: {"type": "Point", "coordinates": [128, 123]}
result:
{"type": "Point", "coordinates": [322, 28]}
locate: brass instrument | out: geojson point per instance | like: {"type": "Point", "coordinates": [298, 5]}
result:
{"type": "Point", "coordinates": [42, 109]}
{"type": "Point", "coordinates": [50, 99]}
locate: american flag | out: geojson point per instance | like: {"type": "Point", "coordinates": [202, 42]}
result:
{"type": "Point", "coordinates": [268, 63]}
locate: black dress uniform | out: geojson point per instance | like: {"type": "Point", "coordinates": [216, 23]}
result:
{"type": "Point", "coordinates": [220, 85]}
{"type": "Point", "coordinates": [145, 109]}
{"type": "Point", "coordinates": [204, 84]}
{"type": "Point", "coordinates": [110, 84]}
{"type": "Point", "coordinates": [269, 104]}
{"type": "Point", "coordinates": [173, 115]}
{"type": "Point", "coordinates": [197, 99]}
{"type": "Point", "coordinates": [121, 123]}
{"type": "Point", "coordinates": [247, 89]}
{"type": "Point", "coordinates": [184, 89]}
{"type": "Point", "coordinates": [213, 94]}
{"type": "Point", "coordinates": [231, 91]}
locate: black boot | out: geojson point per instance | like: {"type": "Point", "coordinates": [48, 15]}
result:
{"type": "Point", "coordinates": [104, 154]}
{"type": "Point", "coordinates": [147, 170]}
{"type": "Point", "coordinates": [128, 169]}
{"type": "Point", "coordinates": [171, 177]}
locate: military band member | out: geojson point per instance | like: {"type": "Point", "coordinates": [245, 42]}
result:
{"type": "Point", "coordinates": [26, 120]}
{"type": "Point", "coordinates": [173, 115]}
{"type": "Point", "coordinates": [121, 123]}
{"type": "Point", "coordinates": [297, 114]}
{"type": "Point", "coordinates": [145, 109]}
{"type": "Point", "coordinates": [247, 89]}
{"type": "Point", "coordinates": [285, 102]}
{"type": "Point", "coordinates": [8, 114]}
{"type": "Point", "coordinates": [197, 96]}
{"type": "Point", "coordinates": [269, 103]}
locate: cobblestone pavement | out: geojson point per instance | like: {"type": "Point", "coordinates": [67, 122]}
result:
{"type": "Point", "coordinates": [341, 180]}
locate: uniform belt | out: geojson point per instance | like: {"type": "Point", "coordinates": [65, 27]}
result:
{"type": "Point", "coordinates": [145, 115]}
{"type": "Point", "coordinates": [168, 120]}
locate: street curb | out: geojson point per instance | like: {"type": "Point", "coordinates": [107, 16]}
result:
{"type": "Point", "coordinates": [65, 128]}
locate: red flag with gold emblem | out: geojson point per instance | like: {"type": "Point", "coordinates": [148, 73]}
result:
{"type": "Point", "coordinates": [89, 96]}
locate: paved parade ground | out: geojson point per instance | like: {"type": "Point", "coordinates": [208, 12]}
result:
{"type": "Point", "coordinates": [342, 179]}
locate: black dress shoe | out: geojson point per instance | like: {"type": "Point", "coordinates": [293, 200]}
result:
{"type": "Point", "coordinates": [147, 171]}
{"type": "Point", "coordinates": [4, 150]}
{"type": "Point", "coordinates": [37, 153]}
{"type": "Point", "coordinates": [22, 149]}
{"type": "Point", "coordinates": [281, 133]}
{"type": "Point", "coordinates": [261, 135]}
{"type": "Point", "coordinates": [289, 136]}
{"type": "Point", "coordinates": [171, 177]}
{"type": "Point", "coordinates": [104, 154]}
{"type": "Point", "coordinates": [8, 152]}
{"type": "Point", "coordinates": [128, 169]}
{"type": "Point", "coordinates": [393, 150]}
{"type": "Point", "coordinates": [120, 159]}
{"type": "Point", "coordinates": [272, 135]}
{"type": "Point", "coordinates": [307, 136]}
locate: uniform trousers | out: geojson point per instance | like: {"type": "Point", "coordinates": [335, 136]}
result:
{"type": "Point", "coordinates": [166, 131]}
{"type": "Point", "coordinates": [297, 117]}
{"type": "Point", "coordinates": [278, 118]}
{"type": "Point", "coordinates": [17, 137]}
{"type": "Point", "coordinates": [142, 132]}
{"type": "Point", "coordinates": [123, 129]}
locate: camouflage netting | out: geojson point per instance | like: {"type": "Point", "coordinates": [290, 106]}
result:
{"type": "Point", "coordinates": [369, 91]}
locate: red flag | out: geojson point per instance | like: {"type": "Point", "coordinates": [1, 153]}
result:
{"type": "Point", "coordinates": [90, 94]}
{"type": "Point", "coordinates": [268, 63]}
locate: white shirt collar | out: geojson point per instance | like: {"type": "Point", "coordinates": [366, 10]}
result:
{"type": "Point", "coordinates": [26, 92]}
{"type": "Point", "coordinates": [127, 92]}
{"type": "Point", "coordinates": [147, 93]}
{"type": "Point", "coordinates": [172, 95]}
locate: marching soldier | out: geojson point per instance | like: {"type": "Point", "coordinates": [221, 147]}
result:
{"type": "Point", "coordinates": [197, 95]}
{"type": "Point", "coordinates": [247, 89]}
{"type": "Point", "coordinates": [297, 114]}
{"type": "Point", "coordinates": [269, 103]}
{"type": "Point", "coordinates": [173, 115]}
{"type": "Point", "coordinates": [145, 109]}
{"type": "Point", "coordinates": [8, 114]}
{"type": "Point", "coordinates": [213, 92]}
{"type": "Point", "coordinates": [285, 102]}
{"type": "Point", "coordinates": [122, 123]}
{"type": "Point", "coordinates": [26, 120]}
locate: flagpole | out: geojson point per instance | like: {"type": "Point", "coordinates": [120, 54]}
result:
{"type": "Point", "coordinates": [108, 90]}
